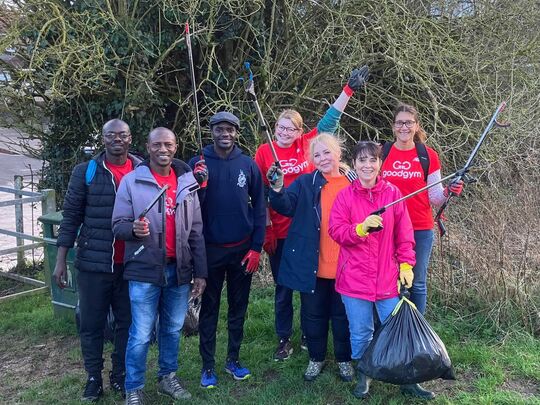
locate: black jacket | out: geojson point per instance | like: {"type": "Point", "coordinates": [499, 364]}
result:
{"type": "Point", "coordinates": [90, 207]}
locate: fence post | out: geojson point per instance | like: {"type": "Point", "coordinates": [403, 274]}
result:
{"type": "Point", "coordinates": [19, 223]}
{"type": "Point", "coordinates": [48, 204]}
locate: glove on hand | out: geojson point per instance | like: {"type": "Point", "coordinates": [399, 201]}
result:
{"type": "Point", "coordinates": [358, 78]}
{"type": "Point", "coordinates": [251, 261]}
{"type": "Point", "coordinates": [275, 177]}
{"type": "Point", "coordinates": [200, 172]}
{"type": "Point", "coordinates": [371, 222]}
{"type": "Point", "coordinates": [455, 187]}
{"type": "Point", "coordinates": [270, 241]}
{"type": "Point", "coordinates": [406, 275]}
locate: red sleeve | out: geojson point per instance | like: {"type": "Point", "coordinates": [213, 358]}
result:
{"type": "Point", "coordinates": [261, 160]}
{"type": "Point", "coordinates": [434, 161]}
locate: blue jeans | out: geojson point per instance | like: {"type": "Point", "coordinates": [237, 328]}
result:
{"type": "Point", "coordinates": [360, 314]}
{"type": "Point", "coordinates": [424, 244]}
{"type": "Point", "coordinates": [147, 301]}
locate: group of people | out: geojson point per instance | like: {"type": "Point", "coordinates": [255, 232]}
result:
{"type": "Point", "coordinates": [310, 212]}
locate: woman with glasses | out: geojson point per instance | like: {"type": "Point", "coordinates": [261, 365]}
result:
{"type": "Point", "coordinates": [403, 168]}
{"type": "Point", "coordinates": [291, 145]}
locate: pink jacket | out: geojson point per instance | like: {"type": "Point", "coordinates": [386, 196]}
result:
{"type": "Point", "coordinates": [368, 267]}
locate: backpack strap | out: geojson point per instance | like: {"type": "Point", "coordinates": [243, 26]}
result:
{"type": "Point", "coordinates": [386, 150]}
{"type": "Point", "coordinates": [90, 172]}
{"type": "Point", "coordinates": [423, 157]}
{"type": "Point", "coordinates": [421, 151]}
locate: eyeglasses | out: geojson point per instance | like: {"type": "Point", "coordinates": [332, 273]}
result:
{"type": "Point", "coordinates": [408, 124]}
{"type": "Point", "coordinates": [288, 130]}
{"type": "Point", "coordinates": [110, 136]}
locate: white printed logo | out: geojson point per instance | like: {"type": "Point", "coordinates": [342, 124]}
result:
{"type": "Point", "coordinates": [292, 166]}
{"type": "Point", "coordinates": [401, 165]}
{"type": "Point", "coordinates": [241, 179]}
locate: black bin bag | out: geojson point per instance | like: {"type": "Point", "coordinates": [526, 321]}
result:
{"type": "Point", "coordinates": [406, 350]}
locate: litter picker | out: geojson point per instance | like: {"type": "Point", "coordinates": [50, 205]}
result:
{"type": "Point", "coordinates": [461, 174]}
{"type": "Point", "coordinates": [194, 87]}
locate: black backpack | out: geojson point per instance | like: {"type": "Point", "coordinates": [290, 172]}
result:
{"type": "Point", "coordinates": [421, 151]}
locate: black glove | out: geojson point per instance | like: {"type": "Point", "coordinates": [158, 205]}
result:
{"type": "Point", "coordinates": [275, 177]}
{"type": "Point", "coordinates": [200, 172]}
{"type": "Point", "coordinates": [358, 78]}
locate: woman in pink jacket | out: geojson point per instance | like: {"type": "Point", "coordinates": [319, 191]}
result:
{"type": "Point", "coordinates": [370, 263]}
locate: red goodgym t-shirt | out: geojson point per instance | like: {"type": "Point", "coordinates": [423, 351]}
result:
{"type": "Point", "coordinates": [170, 210]}
{"type": "Point", "coordinates": [403, 169]}
{"type": "Point", "coordinates": [118, 172]}
{"type": "Point", "coordinates": [294, 161]}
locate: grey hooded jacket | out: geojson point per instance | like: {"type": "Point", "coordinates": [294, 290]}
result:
{"type": "Point", "coordinates": [144, 258]}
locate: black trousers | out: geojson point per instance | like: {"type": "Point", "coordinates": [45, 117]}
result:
{"type": "Point", "coordinates": [98, 292]}
{"type": "Point", "coordinates": [319, 309]}
{"type": "Point", "coordinates": [223, 262]}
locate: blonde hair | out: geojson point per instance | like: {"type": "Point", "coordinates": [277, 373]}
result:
{"type": "Point", "coordinates": [294, 116]}
{"type": "Point", "coordinates": [420, 135]}
{"type": "Point", "coordinates": [331, 142]}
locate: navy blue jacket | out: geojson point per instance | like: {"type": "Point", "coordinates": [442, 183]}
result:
{"type": "Point", "coordinates": [300, 257]}
{"type": "Point", "coordinates": [233, 204]}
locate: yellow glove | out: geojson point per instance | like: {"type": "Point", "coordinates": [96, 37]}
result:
{"type": "Point", "coordinates": [406, 275]}
{"type": "Point", "coordinates": [372, 221]}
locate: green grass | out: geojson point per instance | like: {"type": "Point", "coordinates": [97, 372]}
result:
{"type": "Point", "coordinates": [41, 363]}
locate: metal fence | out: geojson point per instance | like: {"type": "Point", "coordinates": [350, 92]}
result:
{"type": "Point", "coordinates": [48, 205]}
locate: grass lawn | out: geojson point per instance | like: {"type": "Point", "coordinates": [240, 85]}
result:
{"type": "Point", "coordinates": [40, 363]}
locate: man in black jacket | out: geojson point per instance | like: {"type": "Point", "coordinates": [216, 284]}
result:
{"type": "Point", "coordinates": [88, 204]}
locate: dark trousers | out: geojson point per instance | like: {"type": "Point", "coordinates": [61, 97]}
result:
{"type": "Point", "coordinates": [98, 292]}
{"type": "Point", "coordinates": [283, 299]}
{"type": "Point", "coordinates": [223, 261]}
{"type": "Point", "coordinates": [320, 308]}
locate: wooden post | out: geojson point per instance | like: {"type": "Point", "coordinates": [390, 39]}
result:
{"type": "Point", "coordinates": [19, 222]}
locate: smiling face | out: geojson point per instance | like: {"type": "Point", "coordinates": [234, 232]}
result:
{"type": "Point", "coordinates": [367, 168]}
{"type": "Point", "coordinates": [325, 159]}
{"type": "Point", "coordinates": [286, 132]}
{"type": "Point", "coordinates": [161, 147]}
{"type": "Point", "coordinates": [224, 135]}
{"type": "Point", "coordinates": [116, 138]}
{"type": "Point", "coordinates": [405, 126]}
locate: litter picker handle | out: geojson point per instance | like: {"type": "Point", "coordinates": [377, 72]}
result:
{"type": "Point", "coordinates": [378, 212]}
{"type": "Point", "coordinates": [153, 202]}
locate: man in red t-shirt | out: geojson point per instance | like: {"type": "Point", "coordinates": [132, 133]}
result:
{"type": "Point", "coordinates": [88, 205]}
{"type": "Point", "coordinates": [165, 251]}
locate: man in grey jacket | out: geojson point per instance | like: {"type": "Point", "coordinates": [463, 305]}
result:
{"type": "Point", "coordinates": [165, 250]}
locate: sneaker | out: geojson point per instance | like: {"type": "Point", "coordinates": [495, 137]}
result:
{"type": "Point", "coordinates": [346, 371]}
{"type": "Point", "coordinates": [93, 389]}
{"type": "Point", "coordinates": [170, 385]}
{"type": "Point", "coordinates": [415, 390]}
{"type": "Point", "coordinates": [236, 370]}
{"type": "Point", "coordinates": [303, 342]}
{"type": "Point", "coordinates": [313, 370]}
{"type": "Point", "coordinates": [284, 350]}
{"type": "Point", "coordinates": [134, 398]}
{"type": "Point", "coordinates": [117, 384]}
{"type": "Point", "coordinates": [361, 390]}
{"type": "Point", "coordinates": [208, 378]}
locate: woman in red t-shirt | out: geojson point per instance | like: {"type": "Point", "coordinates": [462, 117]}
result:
{"type": "Point", "coordinates": [402, 168]}
{"type": "Point", "coordinates": [291, 147]}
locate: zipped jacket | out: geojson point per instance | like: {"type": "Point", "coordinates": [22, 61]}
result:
{"type": "Point", "coordinates": [90, 207]}
{"type": "Point", "coordinates": [368, 267]}
{"type": "Point", "coordinates": [145, 258]}
{"type": "Point", "coordinates": [300, 258]}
